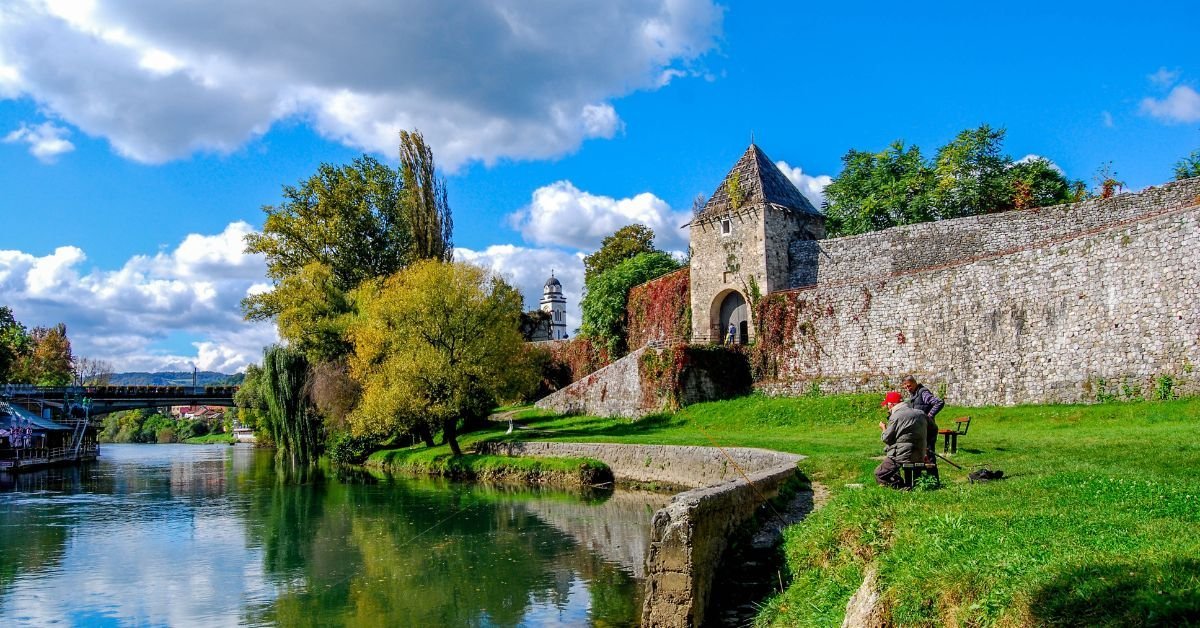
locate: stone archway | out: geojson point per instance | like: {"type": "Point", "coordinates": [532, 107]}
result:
{"type": "Point", "coordinates": [730, 307]}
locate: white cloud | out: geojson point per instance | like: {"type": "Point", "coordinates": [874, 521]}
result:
{"type": "Point", "coordinates": [561, 214]}
{"type": "Point", "coordinates": [1164, 78]}
{"type": "Point", "coordinates": [1107, 118]}
{"type": "Point", "coordinates": [46, 140]}
{"type": "Point", "coordinates": [482, 79]}
{"type": "Point", "coordinates": [813, 188]}
{"type": "Point", "coordinates": [528, 269]}
{"type": "Point", "coordinates": [126, 315]}
{"type": "Point", "coordinates": [1182, 104]}
{"type": "Point", "coordinates": [1032, 157]}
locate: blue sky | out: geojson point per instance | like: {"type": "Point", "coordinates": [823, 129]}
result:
{"type": "Point", "coordinates": [141, 138]}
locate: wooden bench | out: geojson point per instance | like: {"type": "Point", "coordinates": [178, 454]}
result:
{"type": "Point", "coordinates": [950, 436]}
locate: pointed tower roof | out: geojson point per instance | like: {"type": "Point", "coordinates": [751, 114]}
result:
{"type": "Point", "coordinates": [759, 182]}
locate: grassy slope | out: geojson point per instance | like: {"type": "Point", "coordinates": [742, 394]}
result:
{"type": "Point", "coordinates": [1097, 524]}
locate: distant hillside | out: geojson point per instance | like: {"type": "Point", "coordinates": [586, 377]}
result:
{"type": "Point", "coordinates": [179, 378]}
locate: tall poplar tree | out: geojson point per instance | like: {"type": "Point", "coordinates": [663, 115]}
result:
{"type": "Point", "coordinates": [424, 200]}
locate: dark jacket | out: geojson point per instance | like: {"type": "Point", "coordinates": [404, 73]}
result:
{"type": "Point", "coordinates": [904, 435]}
{"type": "Point", "coordinates": [926, 402]}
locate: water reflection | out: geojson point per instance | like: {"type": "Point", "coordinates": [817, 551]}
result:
{"type": "Point", "coordinates": [184, 535]}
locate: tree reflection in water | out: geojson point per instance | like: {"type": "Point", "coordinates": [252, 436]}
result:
{"type": "Point", "coordinates": [369, 551]}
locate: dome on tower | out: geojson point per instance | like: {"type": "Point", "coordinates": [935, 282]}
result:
{"type": "Point", "coordinates": [553, 282]}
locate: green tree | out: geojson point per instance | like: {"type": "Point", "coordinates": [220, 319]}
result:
{"type": "Point", "coordinates": [424, 200]}
{"type": "Point", "coordinates": [295, 429]}
{"type": "Point", "coordinates": [340, 226]}
{"type": "Point", "coordinates": [604, 305]}
{"type": "Point", "coordinates": [1036, 182]}
{"type": "Point", "coordinates": [251, 404]}
{"type": "Point", "coordinates": [1188, 167]}
{"type": "Point", "coordinates": [971, 174]}
{"type": "Point", "coordinates": [14, 344]}
{"type": "Point", "coordinates": [879, 190]}
{"type": "Point", "coordinates": [313, 312]}
{"type": "Point", "coordinates": [435, 344]}
{"type": "Point", "coordinates": [627, 242]}
{"type": "Point", "coordinates": [48, 360]}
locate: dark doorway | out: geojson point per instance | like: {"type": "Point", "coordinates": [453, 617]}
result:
{"type": "Point", "coordinates": [734, 310]}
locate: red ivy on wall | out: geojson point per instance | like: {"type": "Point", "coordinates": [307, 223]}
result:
{"type": "Point", "coordinates": [660, 310]}
{"type": "Point", "coordinates": [787, 332]}
{"type": "Point", "coordinates": [579, 356]}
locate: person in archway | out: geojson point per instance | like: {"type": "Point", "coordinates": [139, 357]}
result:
{"type": "Point", "coordinates": [903, 438]}
{"type": "Point", "coordinates": [731, 333]}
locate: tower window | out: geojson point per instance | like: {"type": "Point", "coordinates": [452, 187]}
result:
{"type": "Point", "coordinates": [726, 226]}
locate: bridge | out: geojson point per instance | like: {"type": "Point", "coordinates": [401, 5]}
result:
{"type": "Point", "coordinates": [92, 401]}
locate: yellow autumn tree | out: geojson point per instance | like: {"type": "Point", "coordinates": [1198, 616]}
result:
{"type": "Point", "coordinates": [434, 345]}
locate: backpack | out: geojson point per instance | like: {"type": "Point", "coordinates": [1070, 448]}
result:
{"type": "Point", "coordinates": [985, 475]}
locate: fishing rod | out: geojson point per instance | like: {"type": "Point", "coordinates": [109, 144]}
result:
{"type": "Point", "coordinates": [745, 477]}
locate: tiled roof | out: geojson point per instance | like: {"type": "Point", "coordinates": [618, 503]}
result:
{"type": "Point", "coordinates": [759, 182]}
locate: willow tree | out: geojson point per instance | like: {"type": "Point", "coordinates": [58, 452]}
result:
{"type": "Point", "coordinates": [424, 200]}
{"type": "Point", "coordinates": [295, 429]}
{"type": "Point", "coordinates": [436, 344]}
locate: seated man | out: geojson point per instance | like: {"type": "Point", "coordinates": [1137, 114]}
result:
{"type": "Point", "coordinates": [903, 438]}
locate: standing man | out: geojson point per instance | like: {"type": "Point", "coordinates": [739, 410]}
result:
{"type": "Point", "coordinates": [731, 333]}
{"type": "Point", "coordinates": [929, 404]}
{"type": "Point", "coordinates": [903, 439]}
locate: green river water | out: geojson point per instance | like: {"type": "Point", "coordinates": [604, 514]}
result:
{"type": "Point", "coordinates": [185, 535]}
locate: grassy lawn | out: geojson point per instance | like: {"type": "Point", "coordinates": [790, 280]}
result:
{"type": "Point", "coordinates": [1096, 523]}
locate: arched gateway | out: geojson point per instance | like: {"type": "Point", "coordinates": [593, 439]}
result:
{"type": "Point", "coordinates": [731, 307]}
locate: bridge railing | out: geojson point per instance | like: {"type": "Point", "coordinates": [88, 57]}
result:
{"type": "Point", "coordinates": [200, 392]}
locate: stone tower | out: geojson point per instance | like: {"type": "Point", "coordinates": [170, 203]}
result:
{"type": "Point", "coordinates": [555, 303]}
{"type": "Point", "coordinates": [740, 242]}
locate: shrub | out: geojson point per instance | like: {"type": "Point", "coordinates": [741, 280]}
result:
{"type": "Point", "coordinates": [345, 448]}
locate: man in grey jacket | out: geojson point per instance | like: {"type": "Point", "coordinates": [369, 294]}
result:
{"type": "Point", "coordinates": [903, 438]}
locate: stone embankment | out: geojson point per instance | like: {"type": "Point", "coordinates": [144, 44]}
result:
{"type": "Point", "coordinates": [690, 533]}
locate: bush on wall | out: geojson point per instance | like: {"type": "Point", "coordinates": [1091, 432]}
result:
{"type": "Point", "coordinates": [660, 310]}
{"type": "Point", "coordinates": [680, 374]}
{"type": "Point", "coordinates": [572, 360]}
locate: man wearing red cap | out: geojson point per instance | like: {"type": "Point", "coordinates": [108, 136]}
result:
{"type": "Point", "coordinates": [903, 439]}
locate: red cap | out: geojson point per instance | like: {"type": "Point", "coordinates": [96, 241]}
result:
{"type": "Point", "coordinates": [891, 397]}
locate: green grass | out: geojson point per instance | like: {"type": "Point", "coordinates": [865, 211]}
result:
{"type": "Point", "coordinates": [1096, 523]}
{"type": "Point", "coordinates": [421, 460]}
{"type": "Point", "coordinates": [209, 439]}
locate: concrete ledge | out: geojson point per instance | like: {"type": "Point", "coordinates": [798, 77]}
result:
{"type": "Point", "coordinates": [688, 535]}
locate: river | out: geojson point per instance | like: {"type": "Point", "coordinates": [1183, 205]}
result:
{"type": "Point", "coordinates": [186, 535]}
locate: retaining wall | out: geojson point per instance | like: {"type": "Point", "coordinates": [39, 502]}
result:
{"type": "Point", "coordinates": [615, 390]}
{"type": "Point", "coordinates": [689, 535]}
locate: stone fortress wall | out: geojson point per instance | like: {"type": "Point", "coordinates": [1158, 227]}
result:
{"type": "Point", "coordinates": [1060, 304]}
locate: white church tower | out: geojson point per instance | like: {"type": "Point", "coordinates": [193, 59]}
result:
{"type": "Point", "coordinates": [555, 303]}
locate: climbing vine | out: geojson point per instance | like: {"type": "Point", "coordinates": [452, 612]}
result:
{"type": "Point", "coordinates": [667, 374]}
{"type": "Point", "coordinates": [579, 357]}
{"type": "Point", "coordinates": [787, 330]}
{"type": "Point", "coordinates": [660, 310]}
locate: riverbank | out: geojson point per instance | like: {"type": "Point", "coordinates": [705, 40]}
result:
{"type": "Point", "coordinates": [1093, 522]}
{"type": "Point", "coordinates": [438, 461]}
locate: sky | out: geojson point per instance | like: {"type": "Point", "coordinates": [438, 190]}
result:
{"type": "Point", "coordinates": [140, 139]}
